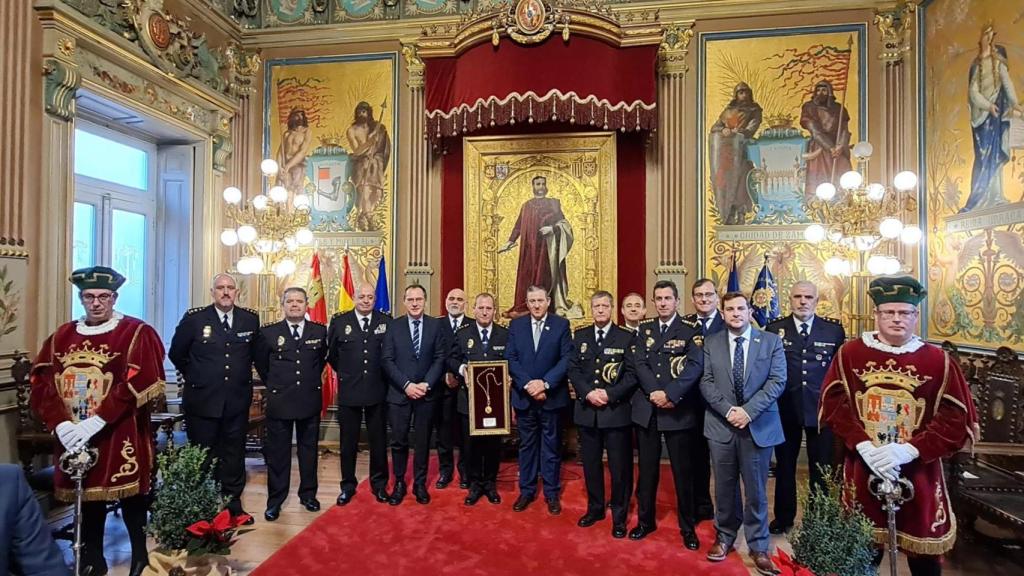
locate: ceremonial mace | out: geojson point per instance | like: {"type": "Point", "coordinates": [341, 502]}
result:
{"type": "Point", "coordinates": [76, 464]}
{"type": "Point", "coordinates": [892, 493]}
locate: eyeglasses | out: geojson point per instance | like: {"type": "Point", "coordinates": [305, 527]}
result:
{"type": "Point", "coordinates": [703, 295]}
{"type": "Point", "coordinates": [103, 298]}
{"type": "Point", "coordinates": [890, 314]}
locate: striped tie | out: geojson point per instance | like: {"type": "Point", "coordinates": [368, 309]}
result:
{"type": "Point", "coordinates": [416, 338]}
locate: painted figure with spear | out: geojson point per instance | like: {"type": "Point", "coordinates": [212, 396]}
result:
{"type": "Point", "coordinates": [828, 152]}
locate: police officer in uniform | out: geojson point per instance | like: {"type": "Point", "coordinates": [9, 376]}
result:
{"type": "Point", "coordinates": [449, 431]}
{"type": "Point", "coordinates": [661, 348]}
{"type": "Point", "coordinates": [290, 356]}
{"type": "Point", "coordinates": [212, 349]}
{"type": "Point", "coordinates": [354, 342]}
{"type": "Point", "coordinates": [604, 382]}
{"type": "Point", "coordinates": [479, 341]}
{"type": "Point", "coordinates": [810, 342]}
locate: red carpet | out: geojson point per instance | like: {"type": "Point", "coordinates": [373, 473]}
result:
{"type": "Point", "coordinates": [366, 538]}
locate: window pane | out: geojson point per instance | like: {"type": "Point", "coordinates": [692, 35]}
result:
{"type": "Point", "coordinates": [83, 246]}
{"type": "Point", "coordinates": [128, 256]}
{"type": "Point", "coordinates": [105, 159]}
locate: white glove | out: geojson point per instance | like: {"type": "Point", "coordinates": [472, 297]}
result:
{"type": "Point", "coordinates": [70, 435]}
{"type": "Point", "coordinates": [875, 458]}
{"type": "Point", "coordinates": [90, 426]}
{"type": "Point", "coordinates": [898, 454]}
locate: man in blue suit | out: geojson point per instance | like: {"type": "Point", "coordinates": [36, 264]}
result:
{"type": "Point", "coordinates": [538, 352]}
{"type": "Point", "coordinates": [744, 375]}
{"type": "Point", "coordinates": [415, 349]}
{"type": "Point", "coordinates": [26, 547]}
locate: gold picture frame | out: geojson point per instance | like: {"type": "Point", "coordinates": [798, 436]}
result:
{"type": "Point", "coordinates": [489, 385]}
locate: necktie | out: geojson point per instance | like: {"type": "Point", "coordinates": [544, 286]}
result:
{"type": "Point", "coordinates": [803, 329]}
{"type": "Point", "coordinates": [455, 324]}
{"type": "Point", "coordinates": [704, 326]}
{"type": "Point", "coordinates": [295, 331]}
{"type": "Point", "coordinates": [224, 322]}
{"type": "Point", "coordinates": [483, 338]}
{"type": "Point", "coordinates": [664, 328]}
{"type": "Point", "coordinates": [600, 337]}
{"type": "Point", "coordinates": [416, 338]}
{"type": "Point", "coordinates": [366, 324]}
{"type": "Point", "coordinates": [737, 370]}
{"type": "Point", "coordinates": [538, 325]}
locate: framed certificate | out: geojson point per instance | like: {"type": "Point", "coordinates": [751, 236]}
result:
{"type": "Point", "coordinates": [489, 385]}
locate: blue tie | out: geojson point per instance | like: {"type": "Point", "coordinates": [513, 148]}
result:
{"type": "Point", "coordinates": [737, 370]}
{"type": "Point", "coordinates": [483, 338]}
{"type": "Point", "coordinates": [416, 338]}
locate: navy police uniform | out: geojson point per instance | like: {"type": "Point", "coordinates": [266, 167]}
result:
{"type": "Point", "coordinates": [449, 431]}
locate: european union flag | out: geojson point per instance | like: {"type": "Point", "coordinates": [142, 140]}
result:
{"type": "Point", "coordinates": [765, 299]}
{"type": "Point", "coordinates": [734, 277]}
{"type": "Point", "coordinates": [383, 300]}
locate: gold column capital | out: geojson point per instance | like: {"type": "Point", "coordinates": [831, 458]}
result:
{"type": "Point", "coordinates": [414, 65]}
{"type": "Point", "coordinates": [675, 45]}
{"type": "Point", "coordinates": [896, 27]}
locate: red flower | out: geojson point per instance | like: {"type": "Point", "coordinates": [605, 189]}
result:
{"type": "Point", "coordinates": [789, 567]}
{"type": "Point", "coordinates": [221, 527]}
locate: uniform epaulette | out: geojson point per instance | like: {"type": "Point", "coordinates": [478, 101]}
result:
{"type": "Point", "coordinates": [778, 320]}
{"type": "Point", "coordinates": [268, 324]}
{"type": "Point", "coordinates": [830, 320]}
{"type": "Point", "coordinates": [464, 326]}
{"type": "Point", "coordinates": [317, 323]}
{"type": "Point", "coordinates": [249, 310]}
{"type": "Point", "coordinates": [691, 323]}
{"type": "Point", "coordinates": [690, 317]}
{"type": "Point", "coordinates": [578, 328]}
{"type": "Point", "coordinates": [647, 321]}
{"type": "Point", "coordinates": [336, 314]}
{"type": "Point", "coordinates": [385, 314]}
{"type": "Point", "coordinates": [192, 311]}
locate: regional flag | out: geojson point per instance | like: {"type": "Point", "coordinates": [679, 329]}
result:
{"type": "Point", "coordinates": [317, 312]}
{"type": "Point", "coordinates": [734, 277]}
{"type": "Point", "coordinates": [381, 292]}
{"type": "Point", "coordinates": [347, 289]}
{"type": "Point", "coordinates": [765, 299]}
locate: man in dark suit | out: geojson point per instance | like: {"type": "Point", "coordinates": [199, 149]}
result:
{"type": "Point", "coordinates": [355, 340]}
{"type": "Point", "coordinates": [449, 431]}
{"type": "Point", "coordinates": [744, 375]}
{"type": "Point", "coordinates": [479, 341]}
{"type": "Point", "coordinates": [539, 346]}
{"type": "Point", "coordinates": [212, 349]}
{"type": "Point", "coordinates": [604, 383]}
{"type": "Point", "coordinates": [290, 356]}
{"type": "Point", "coordinates": [704, 295]}
{"type": "Point", "coordinates": [633, 311]}
{"type": "Point", "coordinates": [414, 355]}
{"type": "Point", "coordinates": [26, 546]}
{"type": "Point", "coordinates": [810, 342]}
{"type": "Point", "coordinates": [661, 347]}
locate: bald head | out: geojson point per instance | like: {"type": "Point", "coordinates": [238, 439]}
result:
{"type": "Point", "coordinates": [366, 297]}
{"type": "Point", "coordinates": [455, 302]}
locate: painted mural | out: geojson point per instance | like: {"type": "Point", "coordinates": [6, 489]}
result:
{"type": "Point", "coordinates": [973, 151]}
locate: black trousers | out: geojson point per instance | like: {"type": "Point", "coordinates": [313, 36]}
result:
{"type": "Point", "coordinates": [619, 443]}
{"type": "Point", "coordinates": [277, 450]}
{"type": "Point", "coordinates": [819, 453]}
{"type": "Point", "coordinates": [682, 449]}
{"type": "Point", "coordinates": [483, 458]}
{"type": "Point", "coordinates": [350, 419]}
{"type": "Point", "coordinates": [94, 518]}
{"type": "Point", "coordinates": [419, 414]}
{"type": "Point", "coordinates": [225, 437]}
{"type": "Point", "coordinates": [449, 435]}
{"type": "Point", "coordinates": [702, 471]}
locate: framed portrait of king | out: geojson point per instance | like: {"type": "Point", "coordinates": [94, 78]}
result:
{"type": "Point", "coordinates": [489, 386]}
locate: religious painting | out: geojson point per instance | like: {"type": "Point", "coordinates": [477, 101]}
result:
{"type": "Point", "coordinates": [779, 111]}
{"type": "Point", "coordinates": [330, 122]}
{"type": "Point", "coordinates": [540, 210]}
{"type": "Point", "coordinates": [972, 131]}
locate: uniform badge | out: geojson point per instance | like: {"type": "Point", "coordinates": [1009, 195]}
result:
{"type": "Point", "coordinates": [698, 339]}
{"type": "Point", "coordinates": [647, 331]}
{"type": "Point", "coordinates": [818, 357]}
{"type": "Point", "coordinates": [469, 344]}
{"type": "Point", "coordinates": [782, 333]}
{"type": "Point", "coordinates": [583, 348]}
{"type": "Point", "coordinates": [207, 331]}
{"type": "Point", "coordinates": [650, 341]}
{"type": "Point", "coordinates": [348, 329]}
{"type": "Point", "coordinates": [381, 329]}
{"type": "Point", "coordinates": [280, 340]}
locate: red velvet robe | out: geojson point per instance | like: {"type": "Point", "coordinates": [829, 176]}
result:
{"type": "Point", "coordinates": [534, 263]}
{"type": "Point", "coordinates": [919, 397]}
{"type": "Point", "coordinates": [113, 375]}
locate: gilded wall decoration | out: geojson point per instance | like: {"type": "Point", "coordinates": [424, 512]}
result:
{"type": "Point", "coordinates": [778, 112]}
{"type": "Point", "coordinates": [540, 210]}
{"type": "Point", "coordinates": [13, 278]}
{"type": "Point", "coordinates": [973, 153]}
{"type": "Point", "coordinates": [331, 124]}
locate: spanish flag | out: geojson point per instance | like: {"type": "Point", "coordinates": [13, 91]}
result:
{"type": "Point", "coordinates": [347, 290]}
{"type": "Point", "coordinates": [317, 310]}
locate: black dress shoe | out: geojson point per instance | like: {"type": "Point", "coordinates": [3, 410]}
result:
{"type": "Point", "coordinates": [554, 507]}
{"type": "Point", "coordinates": [492, 496]}
{"type": "Point", "coordinates": [641, 531]}
{"type": "Point", "coordinates": [250, 521]}
{"type": "Point", "coordinates": [463, 484]}
{"type": "Point", "coordinates": [272, 513]}
{"type": "Point", "coordinates": [690, 540]}
{"type": "Point", "coordinates": [619, 531]}
{"type": "Point", "coordinates": [443, 481]}
{"type": "Point", "coordinates": [347, 495]}
{"type": "Point", "coordinates": [775, 527]}
{"type": "Point", "coordinates": [398, 494]}
{"type": "Point", "coordinates": [422, 496]}
{"type": "Point", "coordinates": [474, 496]}
{"type": "Point", "coordinates": [381, 494]}
{"type": "Point", "coordinates": [522, 503]}
{"type": "Point", "coordinates": [312, 504]}
{"type": "Point", "coordinates": [589, 519]}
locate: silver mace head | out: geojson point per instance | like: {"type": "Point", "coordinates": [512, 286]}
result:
{"type": "Point", "coordinates": [891, 492]}
{"type": "Point", "coordinates": [75, 464]}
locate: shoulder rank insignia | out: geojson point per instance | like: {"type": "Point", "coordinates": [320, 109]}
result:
{"type": "Point", "coordinates": [192, 311]}
{"type": "Point", "coordinates": [830, 320]}
{"type": "Point", "coordinates": [249, 310]}
{"type": "Point", "coordinates": [336, 314]}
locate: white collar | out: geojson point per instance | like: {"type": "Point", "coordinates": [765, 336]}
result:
{"type": "Point", "coordinates": [607, 329]}
{"type": "Point", "coordinates": [360, 316]}
{"type": "Point", "coordinates": [871, 340]}
{"type": "Point", "coordinates": [542, 320]}
{"type": "Point", "coordinates": [710, 317]}
{"type": "Point", "coordinates": [669, 323]}
{"type": "Point", "coordinates": [745, 335]}
{"type": "Point", "coordinates": [301, 324]}
{"type": "Point", "coordinates": [809, 322]}
{"type": "Point", "coordinates": [85, 330]}
{"type": "Point", "coordinates": [480, 328]}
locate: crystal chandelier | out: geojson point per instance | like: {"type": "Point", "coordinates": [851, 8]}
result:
{"type": "Point", "coordinates": [268, 229]}
{"type": "Point", "coordinates": [864, 227]}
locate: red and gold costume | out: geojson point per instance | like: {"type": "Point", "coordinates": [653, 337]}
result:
{"type": "Point", "coordinates": [112, 371]}
{"type": "Point", "coordinates": [914, 393]}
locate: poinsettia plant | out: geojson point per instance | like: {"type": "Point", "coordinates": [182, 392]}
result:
{"type": "Point", "coordinates": [216, 537]}
{"type": "Point", "coordinates": [789, 567]}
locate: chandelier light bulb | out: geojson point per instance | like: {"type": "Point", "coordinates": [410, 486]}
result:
{"type": "Point", "coordinates": [229, 237]}
{"type": "Point", "coordinates": [279, 194]}
{"type": "Point", "coordinates": [876, 192]}
{"type": "Point", "coordinates": [825, 191]}
{"type": "Point", "coordinates": [260, 202]}
{"type": "Point", "coordinates": [263, 246]}
{"type": "Point", "coordinates": [911, 235]}
{"type": "Point", "coordinates": [247, 234]}
{"type": "Point", "coordinates": [890, 228]}
{"type": "Point", "coordinates": [256, 264]}
{"type": "Point", "coordinates": [892, 265]}
{"type": "Point", "coordinates": [285, 267]}
{"type": "Point", "coordinates": [232, 195]}
{"type": "Point", "coordinates": [814, 233]}
{"type": "Point", "coordinates": [301, 201]}
{"type": "Point", "coordinates": [877, 265]}
{"type": "Point", "coordinates": [269, 167]}
{"type": "Point", "coordinates": [864, 243]}
{"type": "Point", "coordinates": [304, 236]}
{"type": "Point", "coordinates": [291, 244]}
{"type": "Point", "coordinates": [863, 149]}
{"type": "Point", "coordinates": [905, 180]}
{"type": "Point", "coordinates": [851, 180]}
{"type": "Point", "coordinates": [835, 266]}
{"type": "Point", "coordinates": [244, 265]}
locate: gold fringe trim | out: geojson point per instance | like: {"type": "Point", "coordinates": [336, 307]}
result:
{"type": "Point", "coordinates": [554, 93]}
{"type": "Point", "coordinates": [151, 392]}
{"type": "Point", "coordinates": [99, 494]}
{"type": "Point", "coordinates": [926, 546]}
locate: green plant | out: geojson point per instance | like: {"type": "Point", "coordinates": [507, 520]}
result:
{"type": "Point", "coordinates": [834, 536]}
{"type": "Point", "coordinates": [186, 494]}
